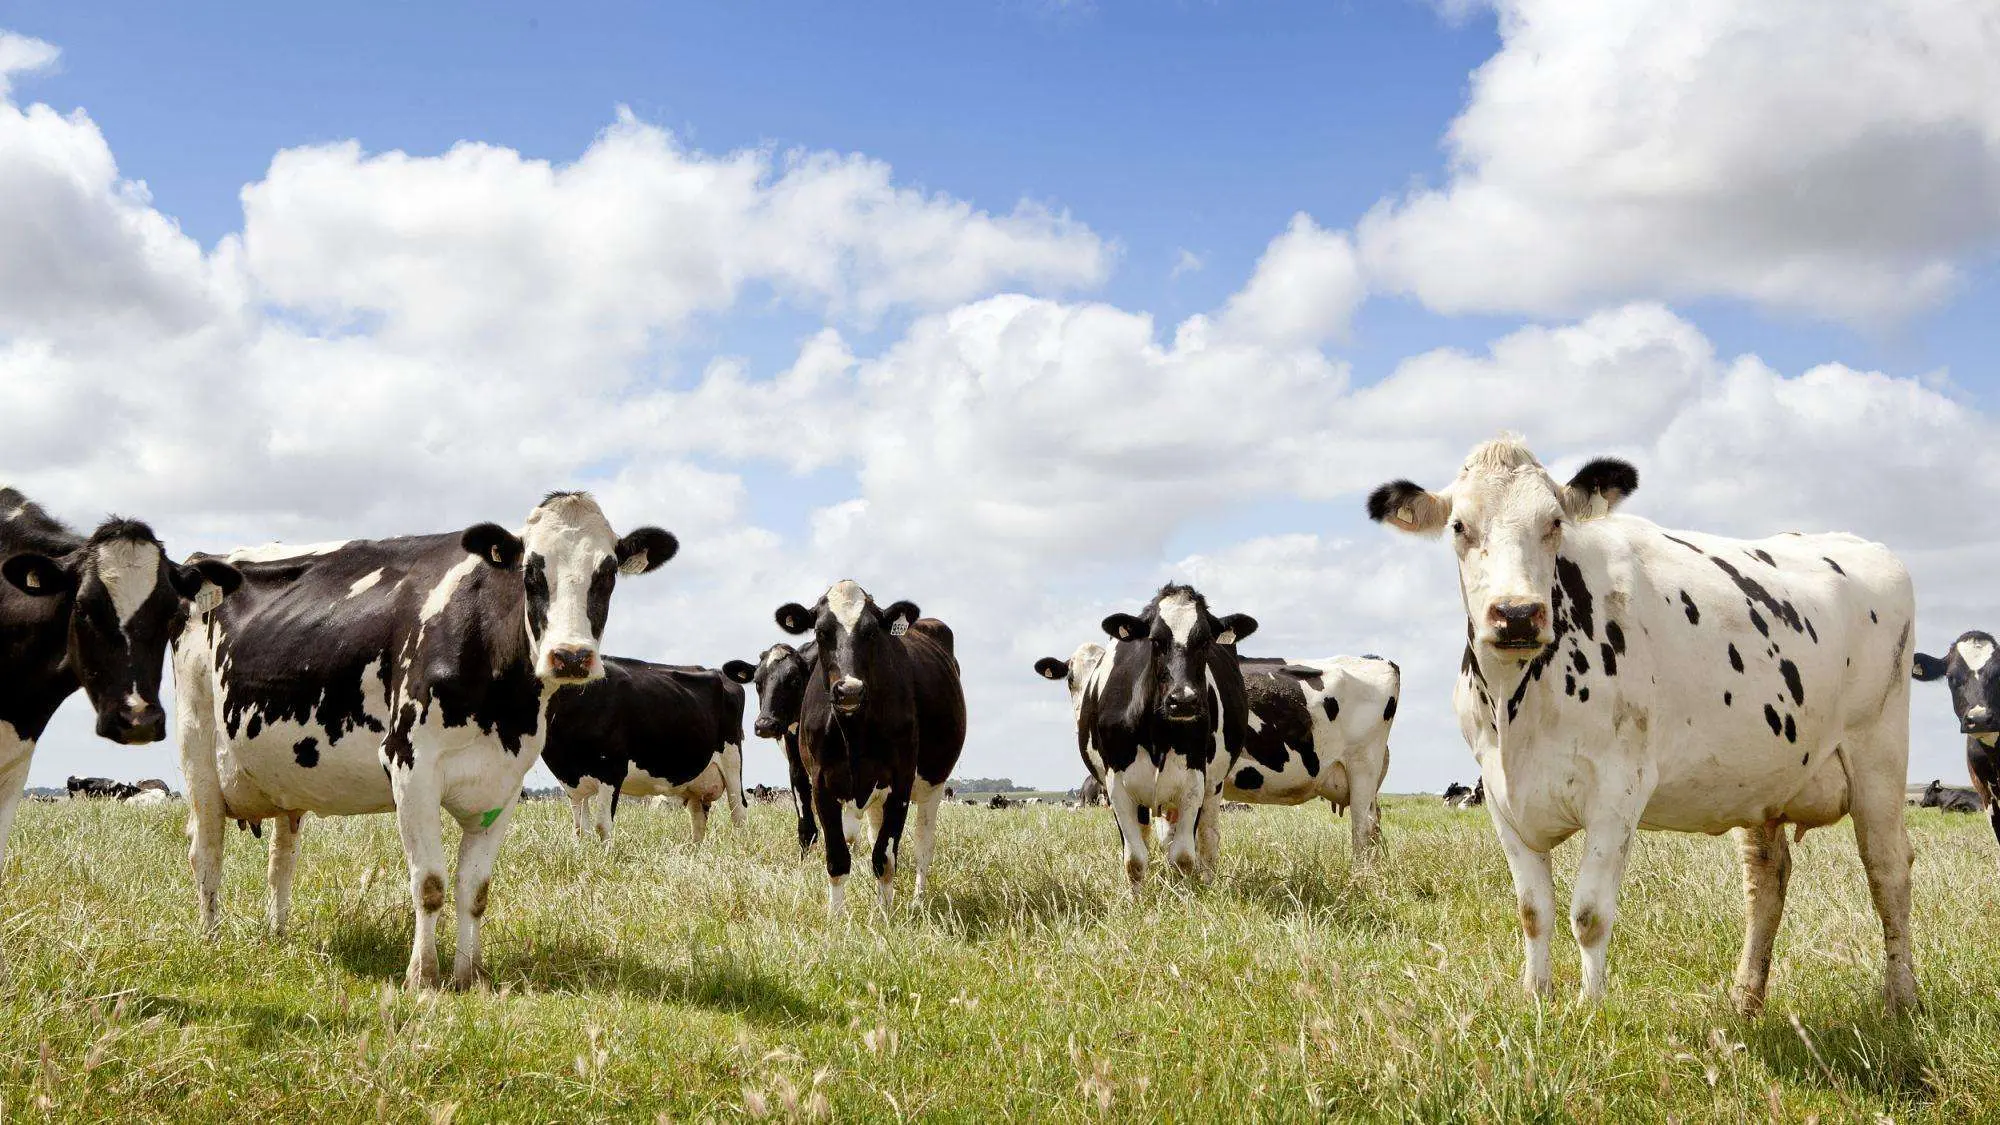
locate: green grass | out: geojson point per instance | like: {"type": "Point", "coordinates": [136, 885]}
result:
{"type": "Point", "coordinates": [648, 983]}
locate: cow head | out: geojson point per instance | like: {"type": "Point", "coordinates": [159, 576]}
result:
{"type": "Point", "coordinates": [1972, 670]}
{"type": "Point", "coordinates": [852, 633]}
{"type": "Point", "coordinates": [780, 675]}
{"type": "Point", "coordinates": [1507, 518]}
{"type": "Point", "coordinates": [126, 602]}
{"type": "Point", "coordinates": [1180, 630]}
{"type": "Point", "coordinates": [1076, 670]}
{"type": "Point", "coordinates": [569, 561]}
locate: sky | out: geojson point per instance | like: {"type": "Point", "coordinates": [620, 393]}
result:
{"type": "Point", "coordinates": [1015, 308]}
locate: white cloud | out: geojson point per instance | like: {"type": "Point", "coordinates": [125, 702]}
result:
{"type": "Point", "coordinates": [1186, 261]}
{"type": "Point", "coordinates": [398, 344]}
{"type": "Point", "coordinates": [1840, 157]}
{"type": "Point", "coordinates": [22, 54]}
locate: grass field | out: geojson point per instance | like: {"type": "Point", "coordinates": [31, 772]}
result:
{"type": "Point", "coordinates": [651, 983]}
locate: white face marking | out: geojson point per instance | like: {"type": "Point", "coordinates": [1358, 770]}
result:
{"type": "Point", "coordinates": [441, 593]}
{"type": "Point", "coordinates": [1180, 614]}
{"type": "Point", "coordinates": [365, 582]}
{"type": "Point", "coordinates": [1987, 740]}
{"type": "Point", "coordinates": [1256, 723]}
{"type": "Point", "coordinates": [847, 599]}
{"type": "Point", "coordinates": [1975, 652]}
{"type": "Point", "coordinates": [274, 552]}
{"type": "Point", "coordinates": [572, 537]}
{"type": "Point", "coordinates": [130, 571]}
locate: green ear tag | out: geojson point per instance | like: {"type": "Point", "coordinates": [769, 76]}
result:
{"type": "Point", "coordinates": [487, 818]}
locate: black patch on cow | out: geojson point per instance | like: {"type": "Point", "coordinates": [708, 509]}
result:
{"type": "Point", "coordinates": [1569, 577]}
{"type": "Point", "coordinates": [1332, 708]}
{"type": "Point", "coordinates": [1735, 658]}
{"type": "Point", "coordinates": [1610, 658]}
{"type": "Point", "coordinates": [1763, 556]}
{"type": "Point", "coordinates": [1728, 699]}
{"type": "Point", "coordinates": [1805, 757]}
{"type": "Point", "coordinates": [1755, 592]}
{"type": "Point", "coordinates": [1389, 709]}
{"type": "Point", "coordinates": [599, 604]}
{"type": "Point", "coordinates": [1811, 632]}
{"type": "Point", "coordinates": [1687, 604]}
{"type": "Point", "coordinates": [1873, 618]}
{"type": "Point", "coordinates": [1834, 565]}
{"type": "Point", "coordinates": [306, 752]}
{"type": "Point", "coordinates": [1771, 717]}
{"type": "Point", "coordinates": [1248, 778]}
{"type": "Point", "coordinates": [1758, 620]}
{"type": "Point", "coordinates": [535, 581]}
{"type": "Point", "coordinates": [1569, 684]}
{"type": "Point", "coordinates": [1790, 672]}
{"type": "Point", "coordinates": [1616, 636]}
{"type": "Point", "coordinates": [1582, 662]}
{"type": "Point", "coordinates": [1685, 543]}
{"type": "Point", "coordinates": [1583, 695]}
{"type": "Point", "coordinates": [1791, 730]}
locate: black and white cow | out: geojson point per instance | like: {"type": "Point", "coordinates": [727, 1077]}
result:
{"type": "Point", "coordinates": [880, 729]}
{"type": "Point", "coordinates": [648, 730]}
{"type": "Point", "coordinates": [94, 612]}
{"type": "Point", "coordinates": [1162, 716]}
{"type": "Point", "coordinates": [1618, 676]}
{"type": "Point", "coordinates": [1462, 796]}
{"type": "Point", "coordinates": [1949, 798]}
{"type": "Point", "coordinates": [410, 675]}
{"type": "Point", "coordinates": [780, 675]}
{"type": "Point", "coordinates": [1973, 675]}
{"type": "Point", "coordinates": [1315, 728]}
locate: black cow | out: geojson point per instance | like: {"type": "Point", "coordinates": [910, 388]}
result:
{"type": "Point", "coordinates": [1937, 795]}
{"type": "Point", "coordinates": [780, 674]}
{"type": "Point", "coordinates": [100, 788]}
{"type": "Point", "coordinates": [648, 730]}
{"type": "Point", "coordinates": [94, 612]}
{"type": "Point", "coordinates": [880, 729]}
{"type": "Point", "coordinates": [1162, 718]}
{"type": "Point", "coordinates": [1973, 674]}
{"type": "Point", "coordinates": [409, 674]}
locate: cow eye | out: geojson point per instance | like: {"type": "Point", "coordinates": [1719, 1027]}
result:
{"type": "Point", "coordinates": [1556, 526]}
{"type": "Point", "coordinates": [1458, 527]}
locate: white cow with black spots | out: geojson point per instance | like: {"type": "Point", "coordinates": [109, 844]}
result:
{"type": "Point", "coordinates": [1619, 676]}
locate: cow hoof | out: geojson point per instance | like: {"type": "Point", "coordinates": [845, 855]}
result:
{"type": "Point", "coordinates": [420, 978]}
{"type": "Point", "coordinates": [468, 979]}
{"type": "Point", "coordinates": [1748, 1002]}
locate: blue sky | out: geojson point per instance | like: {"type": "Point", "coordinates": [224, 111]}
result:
{"type": "Point", "coordinates": [1010, 449]}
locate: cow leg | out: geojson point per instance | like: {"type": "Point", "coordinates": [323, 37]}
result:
{"type": "Point", "coordinates": [16, 753]}
{"type": "Point", "coordinates": [579, 805]}
{"type": "Point", "coordinates": [478, 849]}
{"type": "Point", "coordinates": [1593, 905]}
{"type": "Point", "coordinates": [1364, 815]}
{"type": "Point", "coordinates": [732, 784]}
{"type": "Point", "coordinates": [1535, 895]}
{"type": "Point", "coordinates": [833, 814]}
{"type": "Point", "coordinates": [802, 794]}
{"type": "Point", "coordinates": [195, 719]}
{"type": "Point", "coordinates": [1985, 775]}
{"type": "Point", "coordinates": [1208, 828]}
{"type": "Point", "coordinates": [1875, 779]}
{"type": "Point", "coordinates": [418, 820]}
{"type": "Point", "coordinates": [698, 815]}
{"type": "Point", "coordinates": [284, 861]}
{"type": "Point", "coordinates": [1131, 830]}
{"type": "Point", "coordinates": [923, 836]}
{"type": "Point", "coordinates": [888, 839]}
{"type": "Point", "coordinates": [1767, 869]}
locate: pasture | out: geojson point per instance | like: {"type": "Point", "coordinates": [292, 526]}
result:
{"type": "Point", "coordinates": [648, 983]}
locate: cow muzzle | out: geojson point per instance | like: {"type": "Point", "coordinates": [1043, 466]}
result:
{"type": "Point", "coordinates": [133, 726]}
{"type": "Point", "coordinates": [767, 727]}
{"type": "Point", "coordinates": [847, 694]}
{"type": "Point", "coordinates": [572, 662]}
{"type": "Point", "coordinates": [1977, 720]}
{"type": "Point", "coordinates": [1182, 705]}
{"type": "Point", "coordinates": [1518, 624]}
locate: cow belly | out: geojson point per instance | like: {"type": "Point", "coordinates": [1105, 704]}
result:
{"type": "Point", "coordinates": [705, 787]}
{"type": "Point", "coordinates": [1256, 783]}
{"type": "Point", "coordinates": [1811, 794]}
{"type": "Point", "coordinates": [290, 768]}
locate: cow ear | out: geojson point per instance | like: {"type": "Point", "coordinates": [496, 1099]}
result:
{"type": "Point", "coordinates": [37, 575]}
{"type": "Point", "coordinates": [742, 671]}
{"type": "Point", "coordinates": [1926, 667]}
{"type": "Point", "coordinates": [1052, 669]}
{"type": "Point", "coordinates": [900, 617]}
{"type": "Point", "coordinates": [794, 618]}
{"type": "Point", "coordinates": [1124, 627]}
{"type": "Point", "coordinates": [645, 549]}
{"type": "Point", "coordinates": [1409, 507]}
{"type": "Point", "coordinates": [493, 543]}
{"type": "Point", "coordinates": [205, 582]}
{"type": "Point", "coordinates": [1235, 628]}
{"type": "Point", "coordinates": [1599, 487]}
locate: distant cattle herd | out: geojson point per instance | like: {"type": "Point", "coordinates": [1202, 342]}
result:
{"type": "Point", "coordinates": [1614, 674]}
